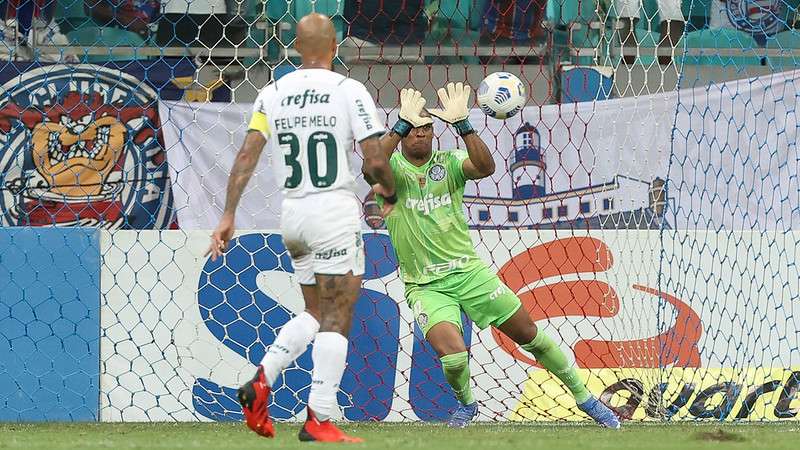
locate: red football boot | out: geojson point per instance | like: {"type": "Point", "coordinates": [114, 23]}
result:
{"type": "Point", "coordinates": [326, 431]}
{"type": "Point", "coordinates": [254, 398]}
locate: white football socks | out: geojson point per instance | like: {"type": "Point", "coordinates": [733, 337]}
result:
{"type": "Point", "coordinates": [330, 358]}
{"type": "Point", "coordinates": [291, 342]}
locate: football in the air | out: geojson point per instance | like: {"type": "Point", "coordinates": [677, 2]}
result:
{"type": "Point", "coordinates": [501, 95]}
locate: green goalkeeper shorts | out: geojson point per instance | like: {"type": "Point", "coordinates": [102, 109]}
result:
{"type": "Point", "coordinates": [478, 292]}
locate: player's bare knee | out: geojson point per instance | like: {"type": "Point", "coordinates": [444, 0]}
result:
{"type": "Point", "coordinates": [527, 335]}
{"type": "Point", "coordinates": [446, 339]}
{"type": "Point", "coordinates": [449, 349]}
{"type": "Point", "coordinates": [311, 299]}
{"type": "Point", "coordinates": [335, 317]}
{"type": "Point", "coordinates": [520, 328]}
{"type": "Point", "coordinates": [449, 345]}
{"type": "Point", "coordinates": [336, 322]}
{"type": "Point", "coordinates": [521, 334]}
{"type": "Point", "coordinates": [314, 312]}
{"type": "Point", "coordinates": [336, 294]}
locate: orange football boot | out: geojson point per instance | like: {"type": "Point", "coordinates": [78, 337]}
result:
{"type": "Point", "coordinates": [314, 430]}
{"type": "Point", "coordinates": [254, 398]}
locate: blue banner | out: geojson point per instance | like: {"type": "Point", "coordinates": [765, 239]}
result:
{"type": "Point", "coordinates": [49, 324]}
{"type": "Point", "coordinates": [244, 319]}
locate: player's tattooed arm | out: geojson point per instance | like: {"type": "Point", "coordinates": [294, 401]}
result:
{"type": "Point", "coordinates": [480, 163]}
{"type": "Point", "coordinates": [389, 141]}
{"type": "Point", "coordinates": [376, 167]}
{"type": "Point", "coordinates": [243, 168]}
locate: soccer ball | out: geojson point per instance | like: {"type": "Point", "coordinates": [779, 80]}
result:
{"type": "Point", "coordinates": [501, 95]}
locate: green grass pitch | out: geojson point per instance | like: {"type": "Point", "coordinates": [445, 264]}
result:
{"type": "Point", "coordinates": [223, 436]}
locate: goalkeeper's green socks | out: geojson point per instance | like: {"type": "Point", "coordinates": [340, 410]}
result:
{"type": "Point", "coordinates": [456, 371]}
{"type": "Point", "coordinates": [549, 355]}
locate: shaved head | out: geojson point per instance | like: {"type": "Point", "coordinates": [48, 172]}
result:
{"type": "Point", "coordinates": [316, 39]}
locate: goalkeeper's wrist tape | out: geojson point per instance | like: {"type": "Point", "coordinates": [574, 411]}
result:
{"type": "Point", "coordinates": [463, 127]}
{"type": "Point", "coordinates": [392, 199]}
{"type": "Point", "coordinates": [402, 127]}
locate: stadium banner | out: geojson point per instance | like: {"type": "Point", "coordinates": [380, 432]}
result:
{"type": "Point", "coordinates": [609, 164]}
{"type": "Point", "coordinates": [180, 333]}
{"type": "Point", "coordinates": [80, 144]}
{"type": "Point", "coordinates": [543, 150]}
{"type": "Point", "coordinates": [49, 324]}
{"type": "Point", "coordinates": [681, 393]}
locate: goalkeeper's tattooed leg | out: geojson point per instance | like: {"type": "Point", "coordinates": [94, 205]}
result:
{"type": "Point", "coordinates": [447, 341]}
{"type": "Point", "coordinates": [521, 329]}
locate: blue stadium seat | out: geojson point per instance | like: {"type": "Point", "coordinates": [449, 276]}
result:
{"type": "Point", "coordinates": [457, 15]}
{"type": "Point", "coordinates": [83, 31]}
{"type": "Point", "coordinates": [95, 36]}
{"type": "Point", "coordinates": [565, 13]}
{"type": "Point", "coordinates": [70, 15]}
{"type": "Point", "coordinates": [650, 18]}
{"type": "Point", "coordinates": [788, 40]}
{"type": "Point", "coordinates": [696, 13]}
{"type": "Point", "coordinates": [454, 23]}
{"type": "Point", "coordinates": [291, 11]}
{"type": "Point", "coordinates": [707, 42]}
{"type": "Point", "coordinates": [787, 43]}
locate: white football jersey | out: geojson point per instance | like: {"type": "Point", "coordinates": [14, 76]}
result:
{"type": "Point", "coordinates": [310, 118]}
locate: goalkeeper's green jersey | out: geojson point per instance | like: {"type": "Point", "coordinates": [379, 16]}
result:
{"type": "Point", "coordinates": [427, 226]}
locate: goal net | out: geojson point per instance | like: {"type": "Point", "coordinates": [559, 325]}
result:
{"type": "Point", "coordinates": [645, 207]}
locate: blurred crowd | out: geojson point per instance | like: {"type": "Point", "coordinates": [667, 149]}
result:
{"type": "Point", "coordinates": [61, 30]}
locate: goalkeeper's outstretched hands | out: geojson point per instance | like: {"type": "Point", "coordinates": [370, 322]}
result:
{"type": "Point", "coordinates": [455, 107]}
{"type": "Point", "coordinates": [411, 104]}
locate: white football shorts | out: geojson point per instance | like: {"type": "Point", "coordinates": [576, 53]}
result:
{"type": "Point", "coordinates": [322, 233]}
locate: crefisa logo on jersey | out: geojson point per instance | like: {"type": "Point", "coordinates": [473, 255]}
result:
{"type": "Point", "coordinates": [80, 147]}
{"type": "Point", "coordinates": [761, 17]}
{"type": "Point", "coordinates": [437, 172]}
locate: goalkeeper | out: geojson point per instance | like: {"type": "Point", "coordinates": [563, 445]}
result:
{"type": "Point", "coordinates": [439, 266]}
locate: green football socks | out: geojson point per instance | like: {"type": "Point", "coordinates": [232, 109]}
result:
{"type": "Point", "coordinates": [456, 371]}
{"type": "Point", "coordinates": [549, 355]}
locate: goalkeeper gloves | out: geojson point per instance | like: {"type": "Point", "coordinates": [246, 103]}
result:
{"type": "Point", "coordinates": [455, 107]}
{"type": "Point", "coordinates": [411, 104]}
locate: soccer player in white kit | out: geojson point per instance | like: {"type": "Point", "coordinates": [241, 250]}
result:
{"type": "Point", "coordinates": [309, 118]}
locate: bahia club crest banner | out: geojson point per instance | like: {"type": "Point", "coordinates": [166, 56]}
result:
{"type": "Point", "coordinates": [81, 145]}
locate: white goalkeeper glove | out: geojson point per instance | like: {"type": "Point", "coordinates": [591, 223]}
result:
{"type": "Point", "coordinates": [455, 107]}
{"type": "Point", "coordinates": [411, 104]}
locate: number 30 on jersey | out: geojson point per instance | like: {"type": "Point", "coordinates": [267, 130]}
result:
{"type": "Point", "coordinates": [320, 144]}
